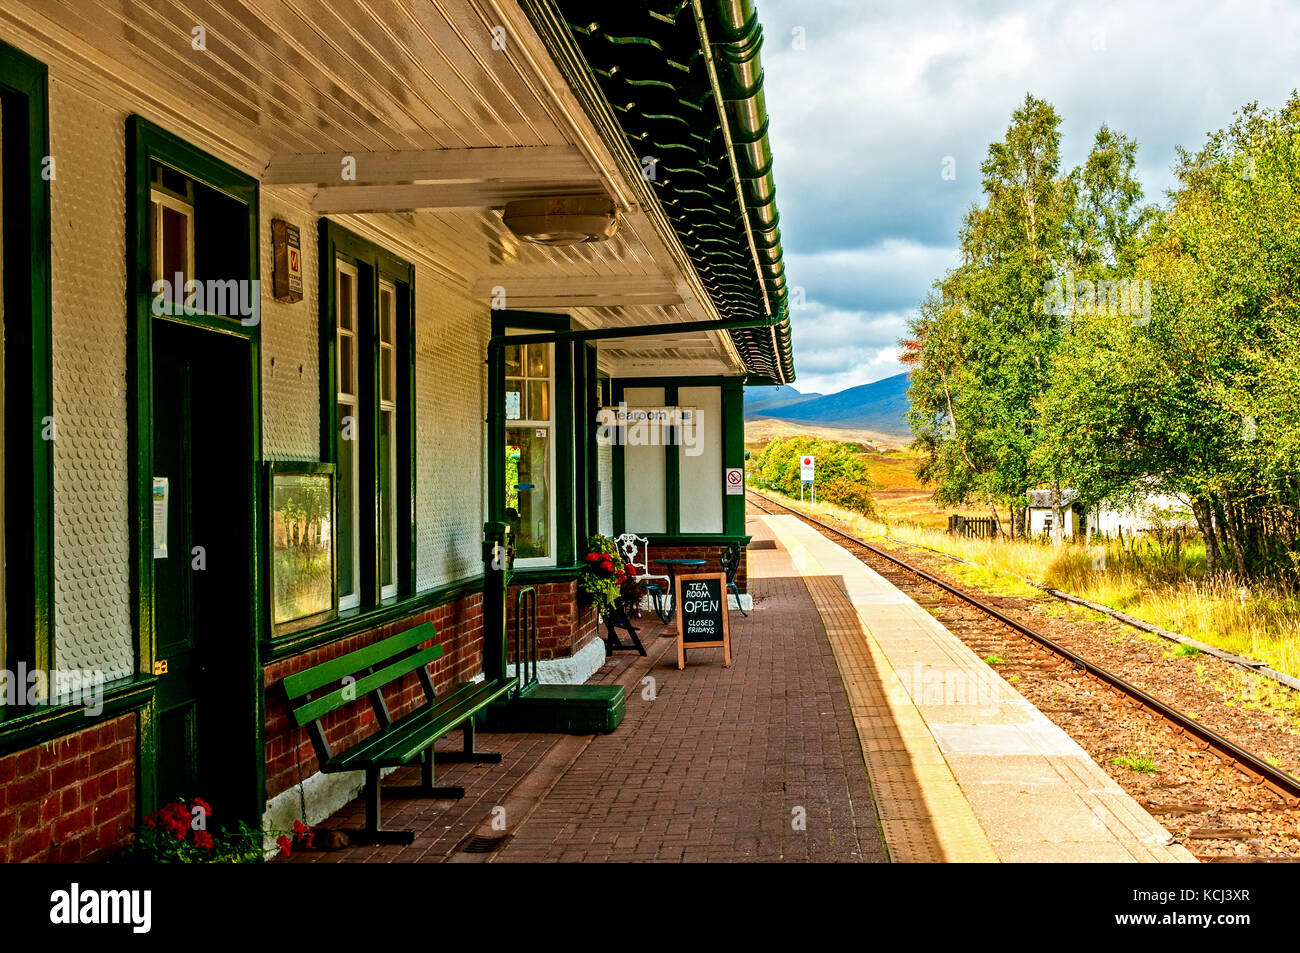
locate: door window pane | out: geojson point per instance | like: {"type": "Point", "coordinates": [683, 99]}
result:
{"type": "Point", "coordinates": [514, 366]}
{"type": "Point", "coordinates": [539, 402]}
{"type": "Point", "coordinates": [528, 489]}
{"type": "Point", "coordinates": [347, 361]}
{"type": "Point", "coordinates": [347, 515]}
{"type": "Point", "coordinates": [387, 501]}
{"type": "Point", "coordinates": [515, 409]}
{"type": "Point", "coordinates": [538, 363]}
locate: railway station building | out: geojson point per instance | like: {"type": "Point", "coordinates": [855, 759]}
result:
{"type": "Point", "coordinates": [311, 312]}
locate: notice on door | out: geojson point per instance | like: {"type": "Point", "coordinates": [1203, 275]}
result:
{"type": "Point", "coordinates": [159, 517]}
{"type": "Point", "coordinates": [702, 621]}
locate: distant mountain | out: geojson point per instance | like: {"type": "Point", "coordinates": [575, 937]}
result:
{"type": "Point", "coordinates": [879, 405]}
{"type": "Point", "coordinates": [761, 401]}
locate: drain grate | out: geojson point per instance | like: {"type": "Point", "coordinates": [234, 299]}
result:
{"type": "Point", "coordinates": [762, 544]}
{"type": "Point", "coordinates": [483, 845]}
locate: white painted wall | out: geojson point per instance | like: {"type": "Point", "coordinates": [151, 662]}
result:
{"type": "Point", "coordinates": [92, 621]}
{"type": "Point", "coordinates": [92, 618]}
{"type": "Point", "coordinates": [645, 501]}
{"type": "Point", "coordinates": [1038, 518]}
{"type": "Point", "coordinates": [605, 475]}
{"type": "Point", "coordinates": [1145, 515]}
{"type": "Point", "coordinates": [701, 472]}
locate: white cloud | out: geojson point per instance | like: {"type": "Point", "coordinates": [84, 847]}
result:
{"type": "Point", "coordinates": [840, 348]}
{"type": "Point", "coordinates": [863, 117]}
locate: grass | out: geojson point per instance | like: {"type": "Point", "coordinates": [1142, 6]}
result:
{"type": "Point", "coordinates": [1159, 585]}
{"type": "Point", "coordinates": [1185, 651]}
{"type": "Point", "coordinates": [994, 659]}
{"type": "Point", "coordinates": [1136, 762]}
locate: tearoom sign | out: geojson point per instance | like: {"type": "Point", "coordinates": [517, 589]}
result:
{"type": "Point", "coordinates": [702, 623]}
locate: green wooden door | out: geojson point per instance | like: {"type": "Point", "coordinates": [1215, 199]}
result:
{"type": "Point", "coordinates": [203, 625]}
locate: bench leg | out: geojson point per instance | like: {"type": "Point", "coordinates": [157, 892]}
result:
{"type": "Point", "coordinates": [426, 787]}
{"type": "Point", "coordinates": [373, 834]}
{"type": "Point", "coordinates": [468, 755]}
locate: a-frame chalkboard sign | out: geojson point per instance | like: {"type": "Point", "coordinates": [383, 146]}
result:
{"type": "Point", "coordinates": [702, 622]}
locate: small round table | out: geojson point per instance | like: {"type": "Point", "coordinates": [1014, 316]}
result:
{"type": "Point", "coordinates": [673, 565]}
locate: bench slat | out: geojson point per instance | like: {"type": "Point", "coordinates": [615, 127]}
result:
{"type": "Point", "coordinates": [335, 670]}
{"type": "Point", "coordinates": [402, 741]}
{"type": "Point", "coordinates": [328, 702]}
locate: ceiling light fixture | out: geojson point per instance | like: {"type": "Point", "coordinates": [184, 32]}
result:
{"type": "Point", "coordinates": [562, 219]}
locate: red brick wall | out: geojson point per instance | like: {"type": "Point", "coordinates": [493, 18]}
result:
{"type": "Point", "coordinates": [289, 753]}
{"type": "Point", "coordinates": [70, 799]}
{"type": "Point", "coordinates": [712, 555]}
{"type": "Point", "coordinates": [563, 627]}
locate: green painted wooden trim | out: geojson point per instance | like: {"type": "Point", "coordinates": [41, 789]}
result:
{"type": "Point", "coordinates": [145, 144]}
{"type": "Point", "coordinates": [696, 381]}
{"type": "Point", "coordinates": [591, 405]}
{"type": "Point", "coordinates": [673, 469]}
{"type": "Point", "coordinates": [565, 485]}
{"type": "Point", "coordinates": [28, 505]}
{"type": "Point", "coordinates": [523, 577]}
{"type": "Point", "coordinates": [374, 262]}
{"type": "Point", "coordinates": [697, 539]}
{"type": "Point", "coordinates": [355, 621]}
{"type": "Point", "coordinates": [49, 723]}
{"type": "Point", "coordinates": [733, 444]}
{"type": "Point", "coordinates": [733, 452]}
{"type": "Point", "coordinates": [569, 498]}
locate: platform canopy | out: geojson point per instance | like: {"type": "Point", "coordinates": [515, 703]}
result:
{"type": "Point", "coordinates": [685, 86]}
{"type": "Point", "coordinates": [426, 119]}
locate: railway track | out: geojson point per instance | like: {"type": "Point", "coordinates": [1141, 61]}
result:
{"type": "Point", "coordinates": [1255, 769]}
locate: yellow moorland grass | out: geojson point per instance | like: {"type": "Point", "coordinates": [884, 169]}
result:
{"type": "Point", "coordinates": [1259, 623]}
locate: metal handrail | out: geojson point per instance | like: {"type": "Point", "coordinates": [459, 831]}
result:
{"type": "Point", "coordinates": [525, 615]}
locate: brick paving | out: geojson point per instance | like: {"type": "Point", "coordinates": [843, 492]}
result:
{"type": "Point", "coordinates": [717, 767]}
{"type": "Point", "coordinates": [439, 825]}
{"type": "Point", "coordinates": [721, 763]}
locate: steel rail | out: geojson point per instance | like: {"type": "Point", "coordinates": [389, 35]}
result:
{"type": "Point", "coordinates": [1279, 781]}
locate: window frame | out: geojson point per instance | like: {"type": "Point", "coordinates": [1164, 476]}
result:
{"type": "Point", "coordinates": [573, 454]}
{"type": "Point", "coordinates": [341, 267]}
{"type": "Point", "coordinates": [733, 455]}
{"type": "Point", "coordinates": [553, 445]}
{"type": "Point", "coordinates": [376, 267]}
{"type": "Point", "coordinates": [27, 523]}
{"type": "Point", "coordinates": [386, 405]}
{"type": "Point", "coordinates": [169, 200]}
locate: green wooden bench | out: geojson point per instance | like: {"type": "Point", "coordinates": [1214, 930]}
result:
{"type": "Point", "coordinates": [317, 691]}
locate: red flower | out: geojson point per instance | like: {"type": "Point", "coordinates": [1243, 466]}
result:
{"type": "Point", "coordinates": [284, 844]}
{"type": "Point", "coordinates": [203, 840]}
{"type": "Point", "coordinates": [204, 806]}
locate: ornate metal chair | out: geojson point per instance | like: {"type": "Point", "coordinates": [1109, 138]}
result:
{"type": "Point", "coordinates": [636, 552]}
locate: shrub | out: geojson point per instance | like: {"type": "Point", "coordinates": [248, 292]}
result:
{"type": "Point", "coordinates": [179, 833]}
{"type": "Point", "coordinates": [603, 574]}
{"type": "Point", "coordinates": [842, 474]}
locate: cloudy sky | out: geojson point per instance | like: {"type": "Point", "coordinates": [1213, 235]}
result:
{"type": "Point", "coordinates": [867, 99]}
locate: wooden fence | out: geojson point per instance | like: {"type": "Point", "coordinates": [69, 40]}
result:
{"type": "Point", "coordinates": [967, 526]}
